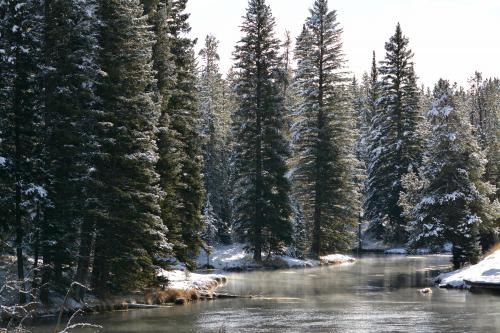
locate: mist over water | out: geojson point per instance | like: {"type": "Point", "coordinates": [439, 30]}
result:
{"type": "Point", "coordinates": [376, 294]}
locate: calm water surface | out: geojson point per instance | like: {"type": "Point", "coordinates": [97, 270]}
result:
{"type": "Point", "coordinates": [376, 294]}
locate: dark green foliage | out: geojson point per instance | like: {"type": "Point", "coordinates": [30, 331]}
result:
{"type": "Point", "coordinates": [70, 50]}
{"type": "Point", "coordinates": [216, 149]}
{"type": "Point", "coordinates": [323, 134]}
{"type": "Point", "coordinates": [180, 160]}
{"type": "Point", "coordinates": [127, 214]}
{"type": "Point", "coordinates": [21, 124]}
{"type": "Point", "coordinates": [449, 201]}
{"type": "Point", "coordinates": [261, 202]}
{"type": "Point", "coordinates": [395, 143]}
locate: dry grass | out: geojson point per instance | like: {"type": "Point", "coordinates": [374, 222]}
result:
{"type": "Point", "coordinates": [493, 249]}
{"type": "Point", "coordinates": [170, 296]}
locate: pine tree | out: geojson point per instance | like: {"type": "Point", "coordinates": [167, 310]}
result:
{"type": "Point", "coordinates": [452, 199]}
{"type": "Point", "coordinates": [180, 160]}
{"type": "Point", "coordinates": [70, 45]}
{"type": "Point", "coordinates": [323, 134]}
{"type": "Point", "coordinates": [395, 143]}
{"type": "Point", "coordinates": [261, 204]}
{"type": "Point", "coordinates": [215, 138]}
{"type": "Point", "coordinates": [370, 104]}
{"type": "Point", "coordinates": [482, 100]}
{"type": "Point", "coordinates": [128, 224]}
{"type": "Point", "coordinates": [168, 164]}
{"type": "Point", "coordinates": [21, 122]}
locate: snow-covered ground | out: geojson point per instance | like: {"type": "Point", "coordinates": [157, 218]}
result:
{"type": "Point", "coordinates": [234, 257]}
{"type": "Point", "coordinates": [421, 251]}
{"type": "Point", "coordinates": [486, 271]}
{"type": "Point", "coordinates": [185, 280]}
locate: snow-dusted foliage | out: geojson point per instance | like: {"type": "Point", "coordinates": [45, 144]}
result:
{"type": "Point", "coordinates": [215, 116]}
{"type": "Point", "coordinates": [261, 204]}
{"type": "Point", "coordinates": [21, 122]}
{"type": "Point", "coordinates": [449, 202]}
{"type": "Point", "coordinates": [71, 79]}
{"type": "Point", "coordinates": [323, 134]}
{"type": "Point", "coordinates": [127, 207]}
{"type": "Point", "coordinates": [395, 140]}
{"type": "Point", "coordinates": [210, 223]}
{"type": "Point", "coordinates": [179, 141]}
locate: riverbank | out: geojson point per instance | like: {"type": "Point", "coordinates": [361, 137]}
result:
{"type": "Point", "coordinates": [486, 273]}
{"type": "Point", "coordinates": [234, 257]}
{"type": "Point", "coordinates": [177, 287]}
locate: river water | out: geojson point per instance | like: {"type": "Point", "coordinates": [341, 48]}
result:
{"type": "Point", "coordinates": [376, 294]}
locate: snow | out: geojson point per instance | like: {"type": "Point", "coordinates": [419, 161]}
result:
{"type": "Point", "coordinates": [336, 259]}
{"type": "Point", "coordinates": [235, 257]}
{"type": "Point", "coordinates": [3, 161]}
{"type": "Point", "coordinates": [227, 257]}
{"type": "Point", "coordinates": [178, 279]}
{"type": "Point", "coordinates": [486, 271]}
{"type": "Point", "coordinates": [396, 250]}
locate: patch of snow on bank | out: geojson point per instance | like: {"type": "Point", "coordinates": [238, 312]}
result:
{"type": "Point", "coordinates": [226, 257]}
{"type": "Point", "coordinates": [396, 250]}
{"type": "Point", "coordinates": [336, 259]}
{"type": "Point", "coordinates": [178, 279]}
{"type": "Point", "coordinates": [231, 257]}
{"type": "Point", "coordinates": [486, 271]}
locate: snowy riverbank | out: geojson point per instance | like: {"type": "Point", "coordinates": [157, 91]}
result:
{"type": "Point", "coordinates": [234, 258]}
{"type": "Point", "coordinates": [487, 271]}
{"type": "Point", "coordinates": [177, 287]}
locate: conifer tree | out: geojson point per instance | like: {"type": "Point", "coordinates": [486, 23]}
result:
{"type": "Point", "coordinates": [70, 45]}
{"type": "Point", "coordinates": [452, 200]}
{"type": "Point", "coordinates": [395, 143]}
{"type": "Point", "coordinates": [482, 101]}
{"type": "Point", "coordinates": [215, 140]}
{"type": "Point", "coordinates": [180, 160]}
{"type": "Point", "coordinates": [128, 224]}
{"type": "Point", "coordinates": [370, 104]}
{"type": "Point", "coordinates": [261, 204]}
{"type": "Point", "coordinates": [323, 134]}
{"type": "Point", "coordinates": [21, 123]}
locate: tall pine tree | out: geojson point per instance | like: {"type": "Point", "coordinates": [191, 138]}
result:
{"type": "Point", "coordinates": [395, 143]}
{"type": "Point", "coordinates": [21, 123]}
{"type": "Point", "coordinates": [214, 116]}
{"type": "Point", "coordinates": [128, 224]}
{"type": "Point", "coordinates": [70, 78]}
{"type": "Point", "coordinates": [261, 203]}
{"type": "Point", "coordinates": [181, 160]}
{"type": "Point", "coordinates": [323, 133]}
{"type": "Point", "coordinates": [452, 200]}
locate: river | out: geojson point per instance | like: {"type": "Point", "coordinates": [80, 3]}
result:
{"type": "Point", "coordinates": [378, 293]}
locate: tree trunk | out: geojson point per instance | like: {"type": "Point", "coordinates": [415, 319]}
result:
{"type": "Point", "coordinates": [19, 244]}
{"type": "Point", "coordinates": [82, 270]}
{"type": "Point", "coordinates": [46, 270]}
{"type": "Point", "coordinates": [257, 252]}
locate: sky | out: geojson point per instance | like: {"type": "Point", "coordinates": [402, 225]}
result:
{"type": "Point", "coordinates": [451, 39]}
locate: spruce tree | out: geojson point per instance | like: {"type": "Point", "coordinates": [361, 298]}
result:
{"type": "Point", "coordinates": [21, 123]}
{"type": "Point", "coordinates": [127, 214]}
{"type": "Point", "coordinates": [261, 203]}
{"type": "Point", "coordinates": [323, 134]}
{"type": "Point", "coordinates": [70, 45]}
{"type": "Point", "coordinates": [395, 143]}
{"type": "Point", "coordinates": [180, 156]}
{"type": "Point", "coordinates": [452, 200]}
{"type": "Point", "coordinates": [215, 140]}
{"type": "Point", "coordinates": [482, 101]}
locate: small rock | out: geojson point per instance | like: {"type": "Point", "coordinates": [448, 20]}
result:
{"type": "Point", "coordinates": [426, 291]}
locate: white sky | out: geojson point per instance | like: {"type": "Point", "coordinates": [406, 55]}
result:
{"type": "Point", "coordinates": [450, 38]}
